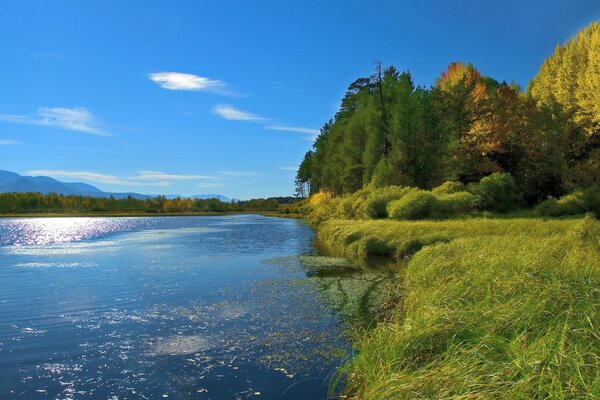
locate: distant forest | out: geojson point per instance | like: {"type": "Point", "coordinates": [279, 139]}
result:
{"type": "Point", "coordinates": [25, 203]}
{"type": "Point", "coordinates": [466, 126]}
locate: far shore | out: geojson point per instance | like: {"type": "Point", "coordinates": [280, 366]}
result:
{"type": "Point", "coordinates": [143, 214]}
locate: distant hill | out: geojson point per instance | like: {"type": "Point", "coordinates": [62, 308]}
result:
{"type": "Point", "coordinates": [11, 182]}
{"type": "Point", "coordinates": [211, 196]}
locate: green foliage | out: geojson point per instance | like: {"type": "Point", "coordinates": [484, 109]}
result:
{"type": "Point", "coordinates": [571, 204]}
{"type": "Point", "coordinates": [449, 187]}
{"type": "Point", "coordinates": [591, 198]}
{"type": "Point", "coordinates": [497, 192]}
{"type": "Point", "coordinates": [455, 204]}
{"type": "Point", "coordinates": [416, 204]}
{"type": "Point", "coordinates": [570, 77]}
{"type": "Point", "coordinates": [578, 202]}
{"type": "Point", "coordinates": [344, 236]}
{"type": "Point", "coordinates": [375, 205]}
{"type": "Point", "coordinates": [467, 126]}
{"type": "Point", "coordinates": [491, 309]}
{"type": "Point", "coordinates": [28, 203]}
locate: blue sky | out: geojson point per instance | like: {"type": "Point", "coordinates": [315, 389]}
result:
{"type": "Point", "coordinates": [225, 97]}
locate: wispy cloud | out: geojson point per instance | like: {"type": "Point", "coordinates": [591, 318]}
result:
{"type": "Point", "coordinates": [158, 175]}
{"type": "Point", "coordinates": [144, 178]}
{"type": "Point", "coordinates": [231, 113]}
{"type": "Point", "coordinates": [238, 173]}
{"type": "Point", "coordinates": [190, 82]}
{"type": "Point", "coordinates": [297, 129]}
{"type": "Point", "coordinates": [84, 175]}
{"type": "Point", "coordinates": [209, 185]}
{"type": "Point", "coordinates": [73, 119]}
{"type": "Point", "coordinates": [9, 142]}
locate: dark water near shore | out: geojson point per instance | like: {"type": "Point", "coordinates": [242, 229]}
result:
{"type": "Point", "coordinates": [177, 307]}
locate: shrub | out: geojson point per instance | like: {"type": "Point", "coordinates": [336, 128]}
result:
{"type": "Point", "coordinates": [375, 206]}
{"type": "Point", "coordinates": [497, 192]}
{"type": "Point", "coordinates": [577, 202]}
{"type": "Point", "coordinates": [345, 208]}
{"type": "Point", "coordinates": [591, 199]}
{"type": "Point", "coordinates": [570, 204]}
{"type": "Point", "coordinates": [416, 204]}
{"type": "Point", "coordinates": [323, 211]}
{"type": "Point", "coordinates": [449, 187]}
{"type": "Point", "coordinates": [548, 207]}
{"type": "Point", "coordinates": [454, 204]}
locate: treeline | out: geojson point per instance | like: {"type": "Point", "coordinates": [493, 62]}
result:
{"type": "Point", "coordinates": [24, 203]}
{"type": "Point", "coordinates": [466, 126]}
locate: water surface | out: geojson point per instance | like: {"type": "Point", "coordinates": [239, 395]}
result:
{"type": "Point", "coordinates": [165, 307]}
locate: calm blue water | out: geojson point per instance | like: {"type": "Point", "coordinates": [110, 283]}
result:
{"type": "Point", "coordinates": [169, 307]}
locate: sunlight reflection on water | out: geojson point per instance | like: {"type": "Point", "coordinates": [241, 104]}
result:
{"type": "Point", "coordinates": [59, 230]}
{"type": "Point", "coordinates": [143, 307]}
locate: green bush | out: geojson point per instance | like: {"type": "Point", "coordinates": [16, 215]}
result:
{"type": "Point", "coordinates": [345, 208]}
{"type": "Point", "coordinates": [375, 205]}
{"type": "Point", "coordinates": [455, 204]}
{"type": "Point", "coordinates": [416, 204]}
{"type": "Point", "coordinates": [591, 198]}
{"type": "Point", "coordinates": [548, 207]}
{"type": "Point", "coordinates": [578, 202]}
{"type": "Point", "coordinates": [449, 187]}
{"type": "Point", "coordinates": [570, 204]}
{"type": "Point", "coordinates": [497, 192]}
{"type": "Point", "coordinates": [324, 211]}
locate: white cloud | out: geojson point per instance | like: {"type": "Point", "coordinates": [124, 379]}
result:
{"type": "Point", "coordinates": [84, 175]}
{"type": "Point", "coordinates": [238, 173]}
{"type": "Point", "coordinates": [209, 185]}
{"type": "Point", "coordinates": [158, 175]}
{"type": "Point", "coordinates": [144, 178]}
{"type": "Point", "coordinates": [8, 142]}
{"type": "Point", "coordinates": [74, 119]}
{"type": "Point", "coordinates": [231, 113]}
{"type": "Point", "coordinates": [189, 82]}
{"type": "Point", "coordinates": [298, 129]}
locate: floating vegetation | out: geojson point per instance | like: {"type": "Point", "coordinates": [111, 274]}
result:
{"type": "Point", "coordinates": [181, 345]}
{"type": "Point", "coordinates": [322, 266]}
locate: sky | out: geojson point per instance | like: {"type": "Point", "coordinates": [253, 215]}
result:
{"type": "Point", "coordinates": [194, 97]}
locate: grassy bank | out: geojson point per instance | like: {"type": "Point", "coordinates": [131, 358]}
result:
{"type": "Point", "coordinates": [491, 309]}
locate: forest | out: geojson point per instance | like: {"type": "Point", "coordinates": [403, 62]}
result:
{"type": "Point", "coordinates": [28, 203]}
{"type": "Point", "coordinates": [464, 127]}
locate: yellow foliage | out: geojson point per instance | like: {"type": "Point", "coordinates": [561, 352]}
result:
{"type": "Point", "coordinates": [571, 77]}
{"type": "Point", "coordinates": [319, 198]}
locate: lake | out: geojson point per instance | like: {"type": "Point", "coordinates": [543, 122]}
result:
{"type": "Point", "coordinates": [169, 307]}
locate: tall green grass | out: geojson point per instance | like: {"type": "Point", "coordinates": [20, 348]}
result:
{"type": "Point", "coordinates": [401, 239]}
{"type": "Point", "coordinates": [510, 316]}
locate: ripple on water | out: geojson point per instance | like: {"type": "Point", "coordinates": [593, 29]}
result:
{"type": "Point", "coordinates": [55, 265]}
{"type": "Point", "coordinates": [156, 316]}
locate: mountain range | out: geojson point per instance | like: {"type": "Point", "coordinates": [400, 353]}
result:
{"type": "Point", "coordinates": [11, 182]}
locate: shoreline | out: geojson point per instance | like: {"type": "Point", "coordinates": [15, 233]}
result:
{"type": "Point", "coordinates": [470, 313]}
{"type": "Point", "coordinates": [142, 214]}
